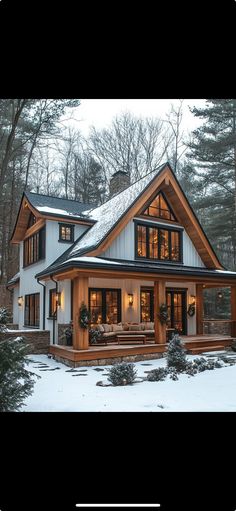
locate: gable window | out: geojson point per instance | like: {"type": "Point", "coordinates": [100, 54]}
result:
{"type": "Point", "coordinates": [34, 248]}
{"type": "Point", "coordinates": [158, 243]}
{"type": "Point", "coordinates": [105, 305]}
{"type": "Point", "coordinates": [159, 208]}
{"type": "Point", "coordinates": [52, 303]}
{"type": "Point", "coordinates": [66, 232]}
{"type": "Point", "coordinates": [146, 305]}
{"type": "Point", "coordinates": [32, 310]}
{"type": "Point", "coordinates": [32, 221]}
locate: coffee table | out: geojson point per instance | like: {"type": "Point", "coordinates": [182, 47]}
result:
{"type": "Point", "coordinates": [131, 337]}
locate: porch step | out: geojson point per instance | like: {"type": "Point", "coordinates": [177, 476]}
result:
{"type": "Point", "coordinates": [207, 341]}
{"type": "Point", "coordinates": [202, 349]}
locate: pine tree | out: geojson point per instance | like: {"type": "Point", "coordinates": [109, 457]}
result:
{"type": "Point", "coordinates": [16, 383]}
{"type": "Point", "coordinates": [176, 354]}
{"type": "Point", "coordinates": [213, 149]}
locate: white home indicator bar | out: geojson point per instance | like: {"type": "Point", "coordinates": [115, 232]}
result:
{"type": "Point", "coordinates": [118, 505]}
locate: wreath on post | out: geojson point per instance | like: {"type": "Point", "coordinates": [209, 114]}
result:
{"type": "Point", "coordinates": [191, 309]}
{"type": "Point", "coordinates": [163, 313]}
{"type": "Point", "coordinates": [84, 316]}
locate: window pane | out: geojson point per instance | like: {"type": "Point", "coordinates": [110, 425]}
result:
{"type": "Point", "coordinates": [153, 243]}
{"type": "Point", "coordinates": [96, 306]}
{"type": "Point", "coordinates": [175, 252]}
{"type": "Point", "coordinates": [26, 310]}
{"type": "Point", "coordinates": [146, 306]}
{"type": "Point", "coordinates": [111, 307]}
{"type": "Point", "coordinates": [164, 240]}
{"type": "Point", "coordinates": [37, 309]}
{"type": "Point", "coordinates": [142, 248]}
{"type": "Point", "coordinates": [52, 303]}
{"type": "Point", "coordinates": [160, 209]}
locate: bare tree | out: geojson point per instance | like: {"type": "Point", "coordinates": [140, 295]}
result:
{"type": "Point", "coordinates": [177, 147]}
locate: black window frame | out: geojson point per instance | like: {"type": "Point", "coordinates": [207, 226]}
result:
{"type": "Point", "coordinates": [32, 220]}
{"type": "Point", "coordinates": [51, 292]}
{"type": "Point", "coordinates": [160, 217]}
{"type": "Point", "coordinates": [72, 229]}
{"type": "Point", "coordinates": [104, 291]}
{"type": "Point", "coordinates": [27, 322]}
{"type": "Point", "coordinates": [151, 292]}
{"type": "Point", "coordinates": [37, 242]}
{"type": "Point", "coordinates": [159, 227]}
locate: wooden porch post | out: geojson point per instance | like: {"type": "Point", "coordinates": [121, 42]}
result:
{"type": "Point", "coordinates": [233, 311]}
{"type": "Point", "coordinates": [199, 309]}
{"type": "Point", "coordinates": [80, 294]}
{"type": "Point", "coordinates": [159, 298]}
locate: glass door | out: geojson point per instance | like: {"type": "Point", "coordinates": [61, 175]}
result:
{"type": "Point", "coordinates": [177, 314]}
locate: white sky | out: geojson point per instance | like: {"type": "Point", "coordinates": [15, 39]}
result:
{"type": "Point", "coordinates": [99, 112]}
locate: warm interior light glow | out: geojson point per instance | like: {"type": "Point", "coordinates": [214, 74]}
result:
{"type": "Point", "coordinates": [131, 299]}
{"type": "Point", "coordinates": [192, 300]}
{"type": "Point", "coordinates": [20, 300]}
{"type": "Point", "coordinates": [58, 299]}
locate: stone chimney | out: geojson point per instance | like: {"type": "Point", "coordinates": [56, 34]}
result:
{"type": "Point", "coordinates": [119, 182]}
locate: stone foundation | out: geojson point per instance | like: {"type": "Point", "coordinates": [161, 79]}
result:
{"type": "Point", "coordinates": [61, 336]}
{"type": "Point", "coordinates": [38, 341]}
{"type": "Point", "coordinates": [215, 327]}
{"type": "Point", "coordinates": [108, 361]}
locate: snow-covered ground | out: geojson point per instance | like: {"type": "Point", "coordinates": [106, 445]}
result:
{"type": "Point", "coordinates": [62, 389]}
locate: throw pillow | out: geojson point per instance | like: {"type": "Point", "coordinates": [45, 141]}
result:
{"type": "Point", "coordinates": [134, 328]}
{"type": "Point", "coordinates": [143, 326]}
{"type": "Point", "coordinates": [100, 328]}
{"type": "Point", "coordinates": [149, 325]}
{"type": "Point", "coordinates": [107, 328]}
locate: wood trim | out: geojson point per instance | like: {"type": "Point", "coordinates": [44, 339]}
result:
{"type": "Point", "coordinates": [233, 311]}
{"type": "Point", "coordinates": [80, 294]}
{"type": "Point", "coordinates": [199, 309]}
{"type": "Point", "coordinates": [35, 228]}
{"type": "Point", "coordinates": [159, 298]}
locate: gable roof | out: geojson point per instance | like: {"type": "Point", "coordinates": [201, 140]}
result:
{"type": "Point", "coordinates": [116, 212]}
{"type": "Point", "coordinates": [46, 206]}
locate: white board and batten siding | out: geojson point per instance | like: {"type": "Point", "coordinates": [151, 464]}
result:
{"type": "Point", "coordinates": [28, 283]}
{"type": "Point", "coordinates": [123, 247]}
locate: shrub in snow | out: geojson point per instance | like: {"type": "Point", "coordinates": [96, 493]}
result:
{"type": "Point", "coordinates": [122, 374]}
{"type": "Point", "coordinates": [16, 383]}
{"type": "Point", "coordinates": [5, 317]}
{"type": "Point", "coordinates": [176, 354]}
{"type": "Point", "coordinates": [94, 335]}
{"type": "Point", "coordinates": [173, 373]}
{"type": "Point", "coordinates": [157, 374]}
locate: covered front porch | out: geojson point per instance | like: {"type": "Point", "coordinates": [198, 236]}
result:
{"type": "Point", "coordinates": [195, 336]}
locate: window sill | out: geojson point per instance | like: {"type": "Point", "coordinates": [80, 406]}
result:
{"type": "Point", "coordinates": [31, 327]}
{"type": "Point", "coordinates": [65, 241]}
{"type": "Point", "coordinates": [52, 318]}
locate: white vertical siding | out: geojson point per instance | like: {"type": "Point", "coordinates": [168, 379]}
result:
{"type": "Point", "coordinates": [15, 305]}
{"type": "Point", "coordinates": [190, 254]}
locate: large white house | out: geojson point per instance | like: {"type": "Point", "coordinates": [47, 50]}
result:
{"type": "Point", "coordinates": [142, 249]}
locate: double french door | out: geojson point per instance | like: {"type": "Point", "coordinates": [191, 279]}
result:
{"type": "Point", "coordinates": [177, 314]}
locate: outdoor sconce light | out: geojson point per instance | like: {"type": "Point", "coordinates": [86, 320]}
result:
{"type": "Point", "coordinates": [20, 300]}
{"type": "Point", "coordinates": [220, 295]}
{"type": "Point", "coordinates": [58, 299]}
{"type": "Point", "coordinates": [192, 300]}
{"type": "Point", "coordinates": [131, 299]}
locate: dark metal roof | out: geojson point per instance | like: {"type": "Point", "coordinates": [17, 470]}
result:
{"type": "Point", "coordinates": [137, 266]}
{"type": "Point", "coordinates": [71, 208]}
{"type": "Point", "coordinates": [14, 279]}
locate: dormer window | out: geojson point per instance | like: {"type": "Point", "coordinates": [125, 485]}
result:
{"type": "Point", "coordinates": [159, 208]}
{"type": "Point", "coordinates": [66, 233]}
{"type": "Point", "coordinates": [32, 221]}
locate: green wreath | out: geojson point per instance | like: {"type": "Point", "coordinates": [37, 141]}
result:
{"type": "Point", "coordinates": [191, 310]}
{"type": "Point", "coordinates": [84, 316]}
{"type": "Point", "coordinates": [163, 315]}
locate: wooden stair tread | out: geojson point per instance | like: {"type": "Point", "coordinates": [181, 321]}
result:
{"type": "Point", "coordinates": [206, 348]}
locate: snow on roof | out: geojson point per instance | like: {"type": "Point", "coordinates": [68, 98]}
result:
{"type": "Point", "coordinates": [47, 209]}
{"type": "Point", "coordinates": [87, 259]}
{"type": "Point", "coordinates": [14, 279]}
{"type": "Point", "coordinates": [57, 205]}
{"type": "Point", "coordinates": [109, 213]}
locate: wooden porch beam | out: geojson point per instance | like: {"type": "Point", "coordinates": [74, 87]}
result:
{"type": "Point", "coordinates": [159, 298]}
{"type": "Point", "coordinates": [233, 311]}
{"type": "Point", "coordinates": [199, 308]}
{"type": "Point", "coordinates": [80, 294]}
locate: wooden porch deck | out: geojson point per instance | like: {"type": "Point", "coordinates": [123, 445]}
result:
{"type": "Point", "coordinates": [195, 344]}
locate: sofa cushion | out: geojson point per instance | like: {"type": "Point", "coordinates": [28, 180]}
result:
{"type": "Point", "coordinates": [143, 326]}
{"type": "Point", "coordinates": [108, 334]}
{"type": "Point", "coordinates": [107, 328]}
{"type": "Point", "coordinates": [117, 328]}
{"type": "Point", "coordinates": [149, 325]}
{"type": "Point", "coordinates": [136, 328]}
{"type": "Point", "coordinates": [100, 328]}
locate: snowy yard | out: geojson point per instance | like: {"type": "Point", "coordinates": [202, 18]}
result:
{"type": "Point", "coordinates": [64, 389]}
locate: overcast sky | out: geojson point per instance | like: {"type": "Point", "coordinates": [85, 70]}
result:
{"type": "Point", "coordinates": [99, 112]}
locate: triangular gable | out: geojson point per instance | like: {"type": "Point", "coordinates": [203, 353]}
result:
{"type": "Point", "coordinates": [159, 208]}
{"type": "Point", "coordinates": [25, 213]}
{"type": "Point", "coordinates": [166, 182]}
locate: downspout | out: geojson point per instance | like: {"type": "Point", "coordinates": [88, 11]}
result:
{"type": "Point", "coordinates": [54, 315]}
{"type": "Point", "coordinates": [44, 301]}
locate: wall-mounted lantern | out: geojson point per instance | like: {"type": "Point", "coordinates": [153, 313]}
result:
{"type": "Point", "coordinates": [20, 301]}
{"type": "Point", "coordinates": [131, 299]}
{"type": "Point", "coordinates": [220, 295]}
{"type": "Point", "coordinates": [58, 299]}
